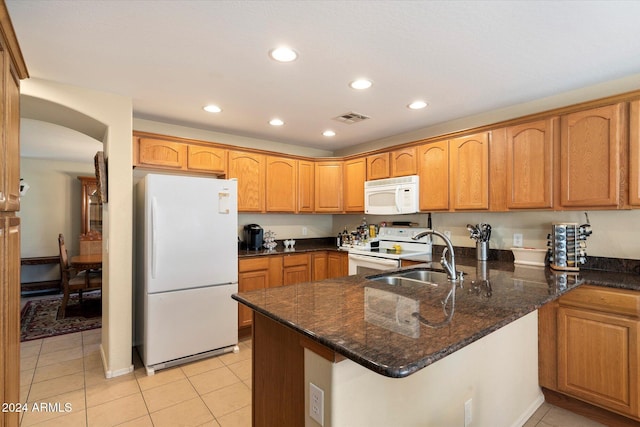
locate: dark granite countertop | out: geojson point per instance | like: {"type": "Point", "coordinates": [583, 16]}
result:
{"type": "Point", "coordinates": [301, 246]}
{"type": "Point", "coordinates": [356, 317]}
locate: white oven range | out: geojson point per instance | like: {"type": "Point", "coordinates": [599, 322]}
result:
{"type": "Point", "coordinates": [372, 260]}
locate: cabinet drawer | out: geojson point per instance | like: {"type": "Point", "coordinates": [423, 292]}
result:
{"type": "Point", "coordinates": [253, 264]}
{"type": "Point", "coordinates": [300, 259]}
{"type": "Point", "coordinates": [608, 300]}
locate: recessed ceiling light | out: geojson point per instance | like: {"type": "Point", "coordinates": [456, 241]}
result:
{"type": "Point", "coordinates": [417, 105]}
{"type": "Point", "coordinates": [329, 133]}
{"type": "Point", "coordinates": [361, 84]}
{"type": "Point", "coordinates": [212, 108]}
{"type": "Point", "coordinates": [276, 122]}
{"type": "Point", "coordinates": [283, 54]}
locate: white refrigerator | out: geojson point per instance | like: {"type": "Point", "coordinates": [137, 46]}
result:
{"type": "Point", "coordinates": [186, 269]}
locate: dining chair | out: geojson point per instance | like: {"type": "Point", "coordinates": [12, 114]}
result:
{"type": "Point", "coordinates": [73, 280]}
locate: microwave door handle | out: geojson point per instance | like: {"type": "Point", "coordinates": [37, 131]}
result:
{"type": "Point", "coordinates": [398, 188]}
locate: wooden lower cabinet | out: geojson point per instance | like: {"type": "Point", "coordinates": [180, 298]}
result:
{"type": "Point", "coordinates": [597, 359]}
{"type": "Point", "coordinates": [253, 273]}
{"type": "Point", "coordinates": [296, 269]}
{"type": "Point", "coordinates": [337, 264]}
{"type": "Point", "coordinates": [319, 265]}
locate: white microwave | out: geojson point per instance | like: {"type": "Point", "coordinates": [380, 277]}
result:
{"type": "Point", "coordinates": [392, 196]}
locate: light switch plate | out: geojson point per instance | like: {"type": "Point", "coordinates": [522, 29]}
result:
{"type": "Point", "coordinates": [517, 240]}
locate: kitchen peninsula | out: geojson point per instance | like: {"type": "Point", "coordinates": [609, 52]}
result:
{"type": "Point", "coordinates": [357, 339]}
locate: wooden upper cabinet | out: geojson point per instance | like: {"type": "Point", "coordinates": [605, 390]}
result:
{"type": "Point", "coordinates": [249, 169]}
{"type": "Point", "coordinates": [530, 149]}
{"type": "Point", "coordinates": [404, 162]}
{"type": "Point", "coordinates": [328, 182]}
{"type": "Point", "coordinates": [591, 146]}
{"type": "Point", "coordinates": [469, 172]}
{"type": "Point", "coordinates": [207, 159]}
{"type": "Point", "coordinates": [355, 172]}
{"type": "Point", "coordinates": [282, 184]}
{"type": "Point", "coordinates": [634, 154]}
{"type": "Point", "coordinates": [306, 186]}
{"type": "Point", "coordinates": [158, 152]}
{"type": "Point", "coordinates": [378, 166]}
{"type": "Point", "coordinates": [10, 144]}
{"type": "Point", "coordinates": [433, 170]}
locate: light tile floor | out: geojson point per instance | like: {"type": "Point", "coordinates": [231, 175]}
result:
{"type": "Point", "coordinates": [67, 370]}
{"type": "Point", "coordinates": [215, 392]}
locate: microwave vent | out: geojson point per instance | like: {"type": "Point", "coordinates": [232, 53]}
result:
{"type": "Point", "coordinates": [351, 118]}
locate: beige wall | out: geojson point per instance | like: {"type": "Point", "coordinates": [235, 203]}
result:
{"type": "Point", "coordinates": [51, 206]}
{"type": "Point", "coordinates": [225, 138]}
{"type": "Point", "coordinates": [499, 373]}
{"type": "Point", "coordinates": [615, 233]}
{"type": "Point", "coordinates": [115, 112]}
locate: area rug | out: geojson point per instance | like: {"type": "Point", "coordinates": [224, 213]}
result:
{"type": "Point", "coordinates": [39, 318]}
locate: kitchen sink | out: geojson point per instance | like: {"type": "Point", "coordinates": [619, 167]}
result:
{"type": "Point", "coordinates": [411, 277]}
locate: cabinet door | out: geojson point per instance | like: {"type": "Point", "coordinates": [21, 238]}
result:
{"type": "Point", "coordinates": [404, 162]}
{"type": "Point", "coordinates": [157, 152]}
{"type": "Point", "coordinates": [355, 172]}
{"type": "Point", "coordinates": [10, 144]}
{"type": "Point", "coordinates": [296, 269]}
{"type": "Point", "coordinates": [282, 184]}
{"type": "Point", "coordinates": [634, 153]}
{"type": "Point", "coordinates": [328, 182]}
{"type": "Point", "coordinates": [590, 157]}
{"type": "Point", "coordinates": [433, 169]}
{"type": "Point", "coordinates": [337, 264]}
{"type": "Point", "coordinates": [249, 281]}
{"type": "Point", "coordinates": [319, 266]}
{"type": "Point", "coordinates": [469, 172]}
{"type": "Point", "coordinates": [207, 159]}
{"type": "Point", "coordinates": [249, 170]}
{"type": "Point", "coordinates": [10, 313]}
{"type": "Point", "coordinates": [598, 358]}
{"type": "Point", "coordinates": [530, 165]}
{"type": "Point", "coordinates": [378, 166]}
{"type": "Point", "coordinates": [306, 186]}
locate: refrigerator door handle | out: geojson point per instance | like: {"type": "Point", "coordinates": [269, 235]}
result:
{"type": "Point", "coordinates": [154, 207]}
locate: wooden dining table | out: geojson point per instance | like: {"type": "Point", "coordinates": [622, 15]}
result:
{"type": "Point", "coordinates": [86, 262]}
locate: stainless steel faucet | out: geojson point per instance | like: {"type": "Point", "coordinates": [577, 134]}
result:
{"type": "Point", "coordinates": [449, 266]}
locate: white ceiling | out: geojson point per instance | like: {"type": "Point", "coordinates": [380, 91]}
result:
{"type": "Point", "coordinates": [462, 57]}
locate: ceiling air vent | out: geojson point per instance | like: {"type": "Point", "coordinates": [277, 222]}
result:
{"type": "Point", "coordinates": [351, 118]}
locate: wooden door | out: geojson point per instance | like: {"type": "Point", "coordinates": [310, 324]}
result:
{"type": "Point", "coordinates": [598, 358]}
{"type": "Point", "coordinates": [378, 166]}
{"type": "Point", "coordinates": [201, 158]}
{"type": "Point", "coordinates": [634, 154]}
{"type": "Point", "coordinates": [469, 172]}
{"type": "Point", "coordinates": [306, 186]}
{"type": "Point", "coordinates": [328, 186]}
{"type": "Point", "coordinates": [282, 184]}
{"type": "Point", "coordinates": [404, 162]}
{"type": "Point", "coordinates": [249, 170]}
{"type": "Point", "coordinates": [318, 266]}
{"type": "Point", "coordinates": [590, 157]}
{"type": "Point", "coordinates": [355, 172]}
{"type": "Point", "coordinates": [530, 148]}
{"type": "Point", "coordinates": [158, 152]}
{"type": "Point", "coordinates": [433, 170]}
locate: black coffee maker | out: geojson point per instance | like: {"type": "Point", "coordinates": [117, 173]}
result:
{"type": "Point", "coordinates": [253, 237]}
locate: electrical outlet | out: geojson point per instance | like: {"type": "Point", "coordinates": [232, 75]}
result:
{"type": "Point", "coordinates": [447, 233]}
{"type": "Point", "coordinates": [316, 403]}
{"type": "Point", "coordinates": [468, 417]}
{"type": "Point", "coordinates": [304, 231]}
{"type": "Point", "coordinates": [517, 240]}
